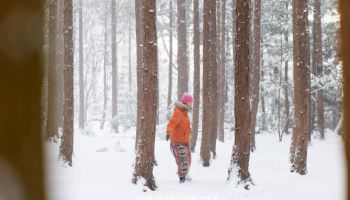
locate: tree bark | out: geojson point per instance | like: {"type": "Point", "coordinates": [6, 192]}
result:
{"type": "Point", "coordinates": [182, 80]}
{"type": "Point", "coordinates": [196, 75]}
{"type": "Point", "coordinates": [81, 69]}
{"type": "Point", "coordinates": [262, 96]}
{"type": "Point", "coordinates": [145, 152]}
{"type": "Point", "coordinates": [129, 53]}
{"type": "Point", "coordinates": [52, 103]}
{"type": "Point", "coordinates": [213, 91]}
{"type": "Point", "coordinates": [114, 68]}
{"type": "Point", "coordinates": [221, 75]}
{"type": "Point", "coordinates": [170, 79]}
{"type": "Point", "coordinates": [227, 55]}
{"type": "Point", "coordinates": [209, 121]}
{"type": "Point", "coordinates": [279, 101]}
{"type": "Point", "coordinates": [234, 36]}
{"type": "Point", "coordinates": [60, 63]}
{"type": "Point", "coordinates": [263, 110]}
{"type": "Point", "coordinates": [66, 148]}
{"type": "Point", "coordinates": [301, 76]}
{"type": "Point", "coordinates": [318, 65]}
{"type": "Point", "coordinates": [139, 49]}
{"type": "Point", "coordinates": [105, 60]}
{"type": "Point", "coordinates": [241, 147]}
{"type": "Point", "coordinates": [218, 59]}
{"type": "Point", "coordinates": [285, 86]}
{"type": "Point", "coordinates": [255, 71]}
{"type": "Point", "coordinates": [218, 36]}
{"type": "Point", "coordinates": [339, 129]}
{"type": "Point", "coordinates": [21, 146]}
{"type": "Point", "coordinates": [345, 48]}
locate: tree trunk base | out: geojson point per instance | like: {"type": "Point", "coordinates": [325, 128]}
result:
{"type": "Point", "coordinates": [150, 183]}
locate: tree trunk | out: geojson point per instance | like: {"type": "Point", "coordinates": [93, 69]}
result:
{"type": "Point", "coordinates": [21, 146]}
{"type": "Point", "coordinates": [339, 129]}
{"type": "Point", "coordinates": [251, 37]}
{"type": "Point", "coordinates": [60, 63]}
{"type": "Point", "coordinates": [218, 57]}
{"type": "Point", "coordinates": [196, 76]}
{"type": "Point", "coordinates": [182, 80]}
{"type": "Point", "coordinates": [114, 69]}
{"type": "Point", "coordinates": [213, 86]}
{"type": "Point", "coordinates": [318, 64]}
{"type": "Point", "coordinates": [221, 75]}
{"type": "Point", "coordinates": [286, 99]}
{"type": "Point", "coordinates": [129, 53]}
{"type": "Point", "coordinates": [234, 36]}
{"type": "Point", "coordinates": [255, 71]}
{"type": "Point", "coordinates": [218, 36]}
{"type": "Point", "coordinates": [170, 79]}
{"type": "Point", "coordinates": [66, 148]}
{"type": "Point", "coordinates": [263, 115]}
{"type": "Point", "coordinates": [279, 125]}
{"type": "Point", "coordinates": [313, 72]}
{"type": "Point", "coordinates": [52, 103]}
{"type": "Point", "coordinates": [209, 121]}
{"type": "Point", "coordinates": [227, 55]}
{"type": "Point", "coordinates": [241, 147]}
{"type": "Point", "coordinates": [145, 152]}
{"type": "Point", "coordinates": [262, 96]}
{"type": "Point", "coordinates": [301, 76]}
{"type": "Point", "coordinates": [285, 86]}
{"type": "Point", "coordinates": [139, 49]}
{"type": "Point", "coordinates": [81, 69]}
{"type": "Point", "coordinates": [345, 48]}
{"type": "Point", "coordinates": [105, 60]}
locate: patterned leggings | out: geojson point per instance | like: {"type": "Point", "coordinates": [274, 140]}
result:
{"type": "Point", "coordinates": [182, 156]}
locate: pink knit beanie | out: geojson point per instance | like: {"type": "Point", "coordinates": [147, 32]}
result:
{"type": "Point", "coordinates": [186, 98]}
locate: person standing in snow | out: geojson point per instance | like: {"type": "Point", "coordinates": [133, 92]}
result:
{"type": "Point", "coordinates": [178, 131]}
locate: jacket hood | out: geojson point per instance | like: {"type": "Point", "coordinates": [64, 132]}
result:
{"type": "Point", "coordinates": [183, 106]}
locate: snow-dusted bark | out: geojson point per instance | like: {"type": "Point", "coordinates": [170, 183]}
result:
{"type": "Point", "coordinates": [241, 147]}
{"type": "Point", "coordinates": [145, 150]}
{"type": "Point", "coordinates": [301, 76]}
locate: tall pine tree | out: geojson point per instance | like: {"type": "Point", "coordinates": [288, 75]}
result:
{"type": "Point", "coordinates": [145, 150]}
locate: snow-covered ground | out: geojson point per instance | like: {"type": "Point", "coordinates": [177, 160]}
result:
{"type": "Point", "coordinates": [103, 166]}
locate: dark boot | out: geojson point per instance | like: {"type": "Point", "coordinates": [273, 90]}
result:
{"type": "Point", "coordinates": [182, 179]}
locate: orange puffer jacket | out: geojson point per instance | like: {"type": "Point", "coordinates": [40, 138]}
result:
{"type": "Point", "coordinates": [179, 125]}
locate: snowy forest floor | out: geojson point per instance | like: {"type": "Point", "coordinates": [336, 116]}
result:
{"type": "Point", "coordinates": [103, 165]}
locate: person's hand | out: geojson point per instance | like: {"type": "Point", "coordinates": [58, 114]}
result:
{"type": "Point", "coordinates": [167, 137]}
